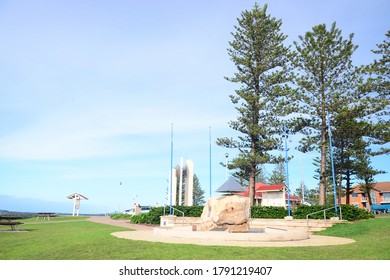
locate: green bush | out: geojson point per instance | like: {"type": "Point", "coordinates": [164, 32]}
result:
{"type": "Point", "coordinates": [348, 212]}
{"type": "Point", "coordinates": [352, 213]}
{"type": "Point", "coordinates": [118, 216]}
{"type": "Point", "coordinates": [153, 216]}
{"type": "Point", "coordinates": [268, 212]}
{"type": "Point", "coordinates": [189, 211]}
{"type": "Point", "coordinates": [303, 210]}
{"type": "Point", "coordinates": [142, 218]}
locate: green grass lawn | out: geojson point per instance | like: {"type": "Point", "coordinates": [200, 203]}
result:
{"type": "Point", "coordinates": [66, 238]}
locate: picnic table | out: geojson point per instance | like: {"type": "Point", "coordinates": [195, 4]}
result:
{"type": "Point", "coordinates": [8, 220]}
{"type": "Point", "coordinates": [46, 215]}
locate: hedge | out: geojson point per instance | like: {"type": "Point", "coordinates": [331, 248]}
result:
{"type": "Point", "coordinates": [268, 212]}
{"type": "Point", "coordinates": [349, 212]}
{"type": "Point", "coordinates": [153, 216]}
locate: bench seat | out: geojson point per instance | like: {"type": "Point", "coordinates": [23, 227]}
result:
{"type": "Point", "coordinates": [12, 224]}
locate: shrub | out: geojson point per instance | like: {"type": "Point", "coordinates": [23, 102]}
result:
{"type": "Point", "coordinates": [352, 213]}
{"type": "Point", "coordinates": [189, 211]}
{"type": "Point", "coordinates": [268, 212]}
{"type": "Point", "coordinates": [153, 216]}
{"type": "Point", "coordinates": [142, 218]}
{"type": "Point", "coordinates": [348, 212]}
{"type": "Point", "coordinates": [118, 216]}
{"type": "Point", "coordinates": [303, 210]}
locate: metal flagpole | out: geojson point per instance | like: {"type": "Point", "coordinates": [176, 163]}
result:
{"type": "Point", "coordinates": [170, 208]}
{"type": "Point", "coordinates": [287, 183]}
{"type": "Point", "coordinates": [331, 160]}
{"type": "Point", "coordinates": [210, 156]}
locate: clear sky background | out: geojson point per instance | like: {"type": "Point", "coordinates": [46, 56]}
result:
{"type": "Point", "coordinates": [89, 90]}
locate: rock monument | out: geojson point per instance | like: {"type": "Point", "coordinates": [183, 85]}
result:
{"type": "Point", "coordinates": [228, 211]}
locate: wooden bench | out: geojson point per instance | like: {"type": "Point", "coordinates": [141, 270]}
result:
{"type": "Point", "coordinates": [14, 225]}
{"type": "Point", "coordinates": [45, 215]}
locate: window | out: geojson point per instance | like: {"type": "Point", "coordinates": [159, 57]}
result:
{"type": "Point", "coordinates": [373, 197]}
{"type": "Point", "coordinates": [386, 197]}
{"type": "Point", "coordinates": [354, 195]}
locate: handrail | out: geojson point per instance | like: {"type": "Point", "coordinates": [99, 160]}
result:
{"type": "Point", "coordinates": [173, 213]}
{"type": "Point", "coordinates": [324, 210]}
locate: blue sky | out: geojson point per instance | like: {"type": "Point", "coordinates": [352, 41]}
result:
{"type": "Point", "coordinates": [89, 89]}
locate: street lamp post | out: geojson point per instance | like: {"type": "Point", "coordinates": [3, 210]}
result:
{"type": "Point", "coordinates": [120, 195]}
{"type": "Point", "coordinates": [226, 156]}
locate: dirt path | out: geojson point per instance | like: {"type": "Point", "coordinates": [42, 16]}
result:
{"type": "Point", "coordinates": [119, 223]}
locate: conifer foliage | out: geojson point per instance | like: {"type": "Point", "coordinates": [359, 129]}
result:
{"type": "Point", "coordinates": [260, 58]}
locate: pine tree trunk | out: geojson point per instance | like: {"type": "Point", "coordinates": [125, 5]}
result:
{"type": "Point", "coordinates": [252, 188]}
{"type": "Point", "coordinates": [348, 185]}
{"type": "Point", "coordinates": [322, 193]}
{"type": "Point", "coordinates": [252, 177]}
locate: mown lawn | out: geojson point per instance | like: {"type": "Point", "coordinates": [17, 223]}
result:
{"type": "Point", "coordinates": [84, 240]}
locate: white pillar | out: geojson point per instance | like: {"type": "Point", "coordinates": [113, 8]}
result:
{"type": "Point", "coordinates": [181, 182]}
{"type": "Point", "coordinates": [189, 191]}
{"type": "Point", "coordinates": [76, 205]}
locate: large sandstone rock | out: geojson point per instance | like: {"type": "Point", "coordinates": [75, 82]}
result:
{"type": "Point", "coordinates": [231, 212]}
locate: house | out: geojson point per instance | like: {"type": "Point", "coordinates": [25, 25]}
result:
{"type": "Point", "coordinates": [380, 197]}
{"type": "Point", "coordinates": [273, 195]}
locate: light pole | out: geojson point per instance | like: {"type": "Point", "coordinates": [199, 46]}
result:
{"type": "Point", "coordinates": [287, 182]}
{"type": "Point", "coordinates": [120, 195]}
{"type": "Point", "coordinates": [226, 156]}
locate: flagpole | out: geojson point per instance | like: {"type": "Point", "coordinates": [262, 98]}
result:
{"type": "Point", "coordinates": [287, 183]}
{"type": "Point", "coordinates": [331, 159]}
{"type": "Point", "coordinates": [210, 156]}
{"type": "Point", "coordinates": [170, 208]}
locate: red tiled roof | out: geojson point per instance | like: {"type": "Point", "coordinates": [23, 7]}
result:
{"type": "Point", "coordinates": [261, 187]}
{"type": "Point", "coordinates": [259, 195]}
{"type": "Point", "coordinates": [383, 186]}
{"type": "Point", "coordinates": [294, 197]}
{"type": "Point", "coordinates": [380, 186]}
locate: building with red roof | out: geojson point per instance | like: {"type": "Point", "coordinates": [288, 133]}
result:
{"type": "Point", "coordinates": [380, 196]}
{"type": "Point", "coordinates": [272, 195]}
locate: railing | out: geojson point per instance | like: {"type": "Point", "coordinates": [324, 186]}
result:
{"type": "Point", "coordinates": [324, 210]}
{"type": "Point", "coordinates": [173, 211]}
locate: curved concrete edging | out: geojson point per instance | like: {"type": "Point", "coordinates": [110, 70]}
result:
{"type": "Point", "coordinates": [269, 234]}
{"type": "Point", "coordinates": [145, 233]}
{"type": "Point", "coordinates": [313, 240]}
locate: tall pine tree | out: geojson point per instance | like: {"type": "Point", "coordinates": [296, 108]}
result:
{"type": "Point", "coordinates": [259, 55]}
{"type": "Point", "coordinates": [324, 75]}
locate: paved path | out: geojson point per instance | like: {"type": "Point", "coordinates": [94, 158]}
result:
{"type": "Point", "coordinates": [120, 223]}
{"type": "Point", "coordinates": [145, 233]}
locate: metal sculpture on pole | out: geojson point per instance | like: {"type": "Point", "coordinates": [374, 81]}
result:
{"type": "Point", "coordinates": [76, 202]}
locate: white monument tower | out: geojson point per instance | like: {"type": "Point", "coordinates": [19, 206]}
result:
{"type": "Point", "coordinates": [76, 202]}
{"type": "Point", "coordinates": [189, 189]}
{"type": "Point", "coordinates": [186, 174]}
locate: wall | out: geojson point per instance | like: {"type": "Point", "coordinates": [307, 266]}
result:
{"type": "Point", "coordinates": [273, 199]}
